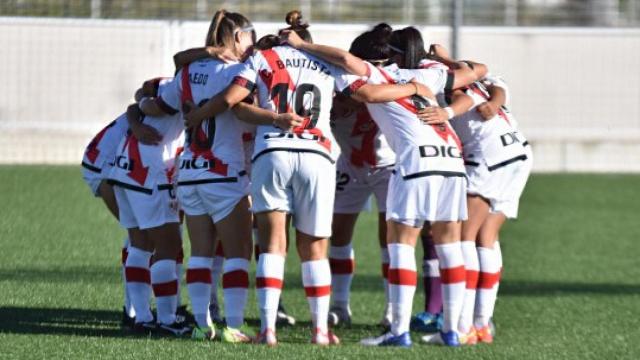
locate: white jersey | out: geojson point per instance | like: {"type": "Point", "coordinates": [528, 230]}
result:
{"type": "Point", "coordinates": [102, 149]}
{"type": "Point", "coordinates": [215, 149]}
{"type": "Point", "coordinates": [360, 140]}
{"type": "Point", "coordinates": [421, 150]}
{"type": "Point", "coordinates": [139, 166]}
{"type": "Point", "coordinates": [494, 142]}
{"type": "Point", "coordinates": [291, 80]}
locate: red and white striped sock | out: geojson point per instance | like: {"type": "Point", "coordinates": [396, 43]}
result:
{"type": "Point", "coordinates": [165, 288]}
{"type": "Point", "coordinates": [235, 285]}
{"type": "Point", "coordinates": [139, 282]}
{"type": "Point", "coordinates": [269, 275]}
{"type": "Point", "coordinates": [496, 247]}
{"type": "Point", "coordinates": [216, 273]}
{"type": "Point", "coordinates": [402, 285]}
{"type": "Point", "coordinates": [384, 261]}
{"type": "Point", "coordinates": [341, 260]}
{"type": "Point", "coordinates": [487, 286]}
{"type": "Point", "coordinates": [471, 265]}
{"type": "Point", "coordinates": [316, 279]}
{"type": "Point", "coordinates": [199, 287]}
{"type": "Point", "coordinates": [179, 262]}
{"type": "Point", "coordinates": [128, 307]}
{"type": "Point", "coordinates": [453, 277]}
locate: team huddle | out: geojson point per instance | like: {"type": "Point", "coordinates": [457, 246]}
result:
{"type": "Point", "coordinates": [252, 136]}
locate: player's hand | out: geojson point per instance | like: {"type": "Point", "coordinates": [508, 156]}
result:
{"type": "Point", "coordinates": [288, 121]}
{"type": "Point", "coordinates": [438, 51]}
{"type": "Point", "coordinates": [146, 134]}
{"type": "Point", "coordinates": [433, 115]}
{"type": "Point", "coordinates": [192, 118]}
{"type": "Point", "coordinates": [222, 54]}
{"type": "Point", "coordinates": [487, 110]}
{"type": "Point", "coordinates": [291, 37]}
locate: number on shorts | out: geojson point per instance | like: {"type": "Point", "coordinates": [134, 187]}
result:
{"type": "Point", "coordinates": [342, 179]}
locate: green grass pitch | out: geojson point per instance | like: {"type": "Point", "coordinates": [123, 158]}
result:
{"type": "Point", "coordinates": [571, 286]}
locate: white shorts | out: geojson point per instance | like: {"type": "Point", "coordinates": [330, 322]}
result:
{"type": "Point", "coordinates": [217, 197]}
{"type": "Point", "coordinates": [355, 185]}
{"type": "Point", "coordinates": [300, 183]}
{"type": "Point", "coordinates": [429, 198]}
{"type": "Point", "coordinates": [503, 186]}
{"type": "Point", "coordinates": [94, 176]}
{"type": "Point", "coordinates": [144, 211]}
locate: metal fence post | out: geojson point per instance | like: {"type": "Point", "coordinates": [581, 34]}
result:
{"type": "Point", "coordinates": [456, 23]}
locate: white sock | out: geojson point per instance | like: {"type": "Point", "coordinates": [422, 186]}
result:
{"type": "Point", "coordinates": [269, 275]}
{"type": "Point", "coordinates": [384, 261]}
{"type": "Point", "coordinates": [235, 284]}
{"type": "Point", "coordinates": [316, 279]}
{"type": "Point", "coordinates": [199, 287]}
{"type": "Point", "coordinates": [216, 276]}
{"type": "Point", "coordinates": [487, 286]}
{"type": "Point", "coordinates": [402, 285]}
{"type": "Point", "coordinates": [165, 288]}
{"type": "Point", "coordinates": [341, 260]}
{"type": "Point", "coordinates": [471, 265]}
{"type": "Point", "coordinates": [453, 278]}
{"type": "Point", "coordinates": [139, 282]}
{"type": "Point", "coordinates": [128, 307]}
{"type": "Point", "coordinates": [179, 261]}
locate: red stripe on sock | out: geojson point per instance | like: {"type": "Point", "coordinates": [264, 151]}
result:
{"type": "Point", "coordinates": [488, 280]}
{"type": "Point", "coordinates": [136, 274]}
{"type": "Point", "coordinates": [166, 289]}
{"type": "Point", "coordinates": [453, 275]}
{"type": "Point", "coordinates": [180, 257]}
{"type": "Point", "coordinates": [403, 277]}
{"type": "Point", "coordinates": [235, 279]}
{"type": "Point", "coordinates": [124, 255]}
{"type": "Point", "coordinates": [199, 275]}
{"type": "Point", "coordinates": [317, 291]}
{"type": "Point", "coordinates": [342, 266]}
{"type": "Point", "coordinates": [266, 282]}
{"type": "Point", "coordinates": [472, 279]}
{"type": "Point", "coordinates": [385, 270]}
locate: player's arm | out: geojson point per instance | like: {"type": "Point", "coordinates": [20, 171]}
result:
{"type": "Point", "coordinates": [490, 108]}
{"type": "Point", "coordinates": [258, 116]}
{"type": "Point", "coordinates": [435, 115]}
{"type": "Point", "coordinates": [370, 93]}
{"type": "Point", "coordinates": [146, 134]}
{"type": "Point", "coordinates": [464, 72]}
{"type": "Point", "coordinates": [352, 64]}
{"type": "Point", "coordinates": [218, 104]}
{"type": "Point", "coordinates": [188, 56]}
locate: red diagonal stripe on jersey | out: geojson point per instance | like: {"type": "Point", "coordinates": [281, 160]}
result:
{"type": "Point", "coordinates": [169, 288]}
{"type": "Point", "coordinates": [92, 151]}
{"type": "Point", "coordinates": [138, 171]}
{"type": "Point", "coordinates": [342, 266]}
{"type": "Point", "coordinates": [485, 95]}
{"type": "Point", "coordinates": [199, 275]}
{"type": "Point", "coordinates": [317, 291]}
{"type": "Point", "coordinates": [366, 127]}
{"type": "Point", "coordinates": [488, 280]}
{"type": "Point", "coordinates": [403, 277]}
{"type": "Point", "coordinates": [472, 279]}
{"type": "Point", "coordinates": [235, 279]}
{"type": "Point", "coordinates": [137, 274]}
{"type": "Point", "coordinates": [453, 275]}
{"type": "Point", "coordinates": [404, 102]}
{"type": "Point", "coordinates": [268, 282]}
{"type": "Point", "coordinates": [385, 270]}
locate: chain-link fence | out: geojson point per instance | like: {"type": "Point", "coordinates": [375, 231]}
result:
{"type": "Point", "coordinates": [608, 13]}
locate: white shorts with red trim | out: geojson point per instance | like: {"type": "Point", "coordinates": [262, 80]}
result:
{"type": "Point", "coordinates": [143, 210]}
{"type": "Point", "coordinates": [216, 197]}
{"type": "Point", "coordinates": [355, 185]}
{"type": "Point", "coordinates": [299, 183]}
{"type": "Point", "coordinates": [501, 186]}
{"type": "Point", "coordinates": [94, 176]}
{"type": "Point", "coordinates": [431, 197]}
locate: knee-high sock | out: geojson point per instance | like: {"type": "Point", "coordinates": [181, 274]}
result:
{"type": "Point", "coordinates": [235, 284]}
{"type": "Point", "coordinates": [453, 277]}
{"type": "Point", "coordinates": [402, 285]}
{"type": "Point", "coordinates": [165, 288]}
{"type": "Point", "coordinates": [341, 260]}
{"type": "Point", "coordinates": [179, 261]}
{"type": "Point", "coordinates": [471, 265]}
{"type": "Point", "coordinates": [487, 286]}
{"type": "Point", "coordinates": [139, 282]}
{"type": "Point", "coordinates": [216, 273]}
{"type": "Point", "coordinates": [431, 276]}
{"type": "Point", "coordinates": [199, 287]}
{"type": "Point", "coordinates": [384, 265]}
{"type": "Point", "coordinates": [269, 275]}
{"type": "Point", "coordinates": [316, 278]}
{"type": "Point", "coordinates": [128, 307]}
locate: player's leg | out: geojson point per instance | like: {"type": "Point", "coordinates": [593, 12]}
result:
{"type": "Point", "coordinates": [341, 260]}
{"type": "Point", "coordinates": [430, 320]}
{"type": "Point", "coordinates": [216, 276]}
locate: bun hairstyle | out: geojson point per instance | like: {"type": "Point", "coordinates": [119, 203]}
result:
{"type": "Point", "coordinates": [408, 43]}
{"type": "Point", "coordinates": [297, 24]}
{"type": "Point", "coordinates": [373, 45]}
{"type": "Point", "coordinates": [223, 28]}
{"type": "Point", "coordinates": [267, 42]}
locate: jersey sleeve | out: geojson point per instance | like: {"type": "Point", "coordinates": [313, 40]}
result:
{"type": "Point", "coordinates": [169, 95]}
{"type": "Point", "coordinates": [438, 80]}
{"type": "Point", "coordinates": [247, 74]}
{"type": "Point", "coordinates": [492, 80]}
{"type": "Point", "coordinates": [347, 84]}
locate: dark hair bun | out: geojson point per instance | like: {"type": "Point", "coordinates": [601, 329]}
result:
{"type": "Point", "coordinates": [295, 21]}
{"type": "Point", "coordinates": [381, 34]}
